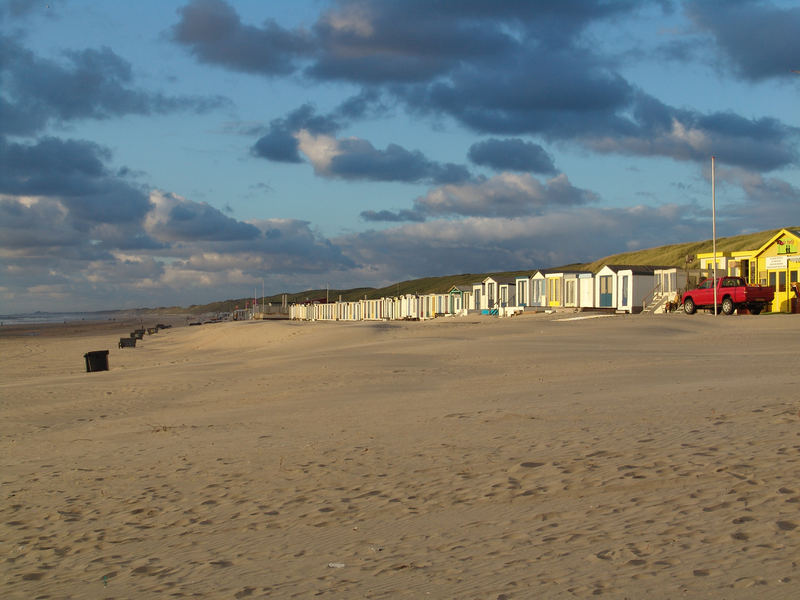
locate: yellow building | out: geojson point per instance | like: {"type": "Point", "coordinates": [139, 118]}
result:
{"type": "Point", "coordinates": [776, 264]}
{"type": "Point", "coordinates": [706, 260]}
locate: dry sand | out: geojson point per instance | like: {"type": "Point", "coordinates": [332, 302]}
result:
{"type": "Point", "coordinates": [626, 456]}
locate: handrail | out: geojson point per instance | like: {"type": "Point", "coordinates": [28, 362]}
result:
{"type": "Point", "coordinates": [650, 295]}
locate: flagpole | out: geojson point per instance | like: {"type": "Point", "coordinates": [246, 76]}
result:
{"type": "Point", "coordinates": [714, 231]}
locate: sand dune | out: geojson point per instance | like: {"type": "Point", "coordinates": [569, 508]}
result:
{"type": "Point", "coordinates": [638, 457]}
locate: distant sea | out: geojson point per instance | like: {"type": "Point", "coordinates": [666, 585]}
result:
{"type": "Point", "coordinates": [59, 317]}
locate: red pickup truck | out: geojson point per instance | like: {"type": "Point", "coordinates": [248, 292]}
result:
{"type": "Point", "coordinates": [732, 293]}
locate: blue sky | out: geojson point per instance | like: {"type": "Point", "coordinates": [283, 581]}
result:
{"type": "Point", "coordinates": [157, 153]}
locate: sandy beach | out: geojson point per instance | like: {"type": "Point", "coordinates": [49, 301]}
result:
{"type": "Point", "coordinates": [647, 456]}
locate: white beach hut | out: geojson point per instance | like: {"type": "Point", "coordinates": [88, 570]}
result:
{"type": "Point", "coordinates": [573, 280]}
{"type": "Point", "coordinates": [625, 287]}
{"type": "Point", "coordinates": [586, 290]}
{"type": "Point", "coordinates": [635, 283]}
{"type": "Point", "coordinates": [523, 290]}
{"type": "Point", "coordinates": [497, 293]}
{"type": "Point", "coordinates": [477, 300]}
{"type": "Point", "coordinates": [506, 293]}
{"type": "Point", "coordinates": [605, 287]}
{"type": "Point", "coordinates": [489, 295]}
{"type": "Point", "coordinates": [538, 289]}
{"type": "Point", "coordinates": [554, 282]}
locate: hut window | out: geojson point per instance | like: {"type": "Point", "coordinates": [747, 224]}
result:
{"type": "Point", "coordinates": [555, 291]}
{"type": "Point", "coordinates": [605, 284]}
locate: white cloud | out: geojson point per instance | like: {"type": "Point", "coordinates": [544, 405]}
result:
{"type": "Point", "coordinates": [320, 150]}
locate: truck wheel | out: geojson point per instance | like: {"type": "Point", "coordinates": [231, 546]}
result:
{"type": "Point", "coordinates": [756, 309]}
{"type": "Point", "coordinates": [728, 306]}
{"type": "Point", "coordinates": [689, 307]}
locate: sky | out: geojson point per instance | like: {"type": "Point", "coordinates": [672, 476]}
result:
{"type": "Point", "coordinates": [160, 153]}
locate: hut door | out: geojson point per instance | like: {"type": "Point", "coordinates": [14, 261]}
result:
{"type": "Point", "coordinates": [606, 299]}
{"type": "Point", "coordinates": [624, 290]}
{"type": "Point", "coordinates": [570, 293]}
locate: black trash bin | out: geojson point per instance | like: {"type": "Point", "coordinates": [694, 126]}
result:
{"type": "Point", "coordinates": [96, 361]}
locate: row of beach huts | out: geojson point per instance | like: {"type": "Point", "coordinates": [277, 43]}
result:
{"type": "Point", "coordinates": [615, 288]}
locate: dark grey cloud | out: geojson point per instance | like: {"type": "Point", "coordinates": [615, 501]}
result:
{"type": "Point", "coordinates": [51, 166]}
{"type": "Point", "coordinates": [562, 95]}
{"type": "Point", "coordinates": [89, 84]}
{"type": "Point", "coordinates": [758, 39]}
{"type": "Point", "coordinates": [348, 158]}
{"type": "Point", "coordinates": [367, 103]}
{"type": "Point", "coordinates": [513, 69]}
{"type": "Point", "coordinates": [417, 41]}
{"type": "Point", "coordinates": [28, 226]}
{"type": "Point", "coordinates": [399, 42]}
{"type": "Point", "coordinates": [382, 42]}
{"type": "Point", "coordinates": [83, 209]}
{"type": "Point", "coordinates": [387, 216]}
{"type": "Point", "coordinates": [58, 229]}
{"type": "Point", "coordinates": [291, 246]}
{"type": "Point", "coordinates": [658, 130]}
{"type": "Point", "coordinates": [512, 155]}
{"type": "Point", "coordinates": [74, 172]}
{"type": "Point", "coordinates": [358, 159]}
{"type": "Point", "coordinates": [200, 221]}
{"type": "Point", "coordinates": [280, 143]}
{"type": "Point", "coordinates": [61, 205]}
{"type": "Point", "coordinates": [214, 33]}
{"type": "Point", "coordinates": [177, 219]}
